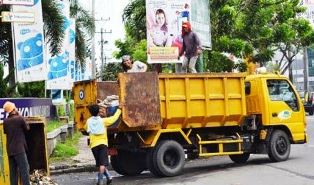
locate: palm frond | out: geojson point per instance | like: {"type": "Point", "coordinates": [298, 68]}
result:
{"type": "Point", "coordinates": [134, 16]}
{"type": "Point", "coordinates": [53, 26]}
{"type": "Point", "coordinates": [80, 47]}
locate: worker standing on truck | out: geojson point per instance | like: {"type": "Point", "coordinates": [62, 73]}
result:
{"type": "Point", "coordinates": [191, 48]}
{"type": "Point", "coordinates": [131, 66]}
{"type": "Point", "coordinates": [96, 128]}
{"type": "Point", "coordinates": [15, 127]}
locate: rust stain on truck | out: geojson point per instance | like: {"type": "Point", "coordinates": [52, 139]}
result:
{"type": "Point", "coordinates": [140, 99]}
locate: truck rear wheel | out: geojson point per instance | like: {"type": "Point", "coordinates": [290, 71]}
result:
{"type": "Point", "coordinates": [279, 146]}
{"type": "Point", "coordinates": [128, 163]}
{"type": "Point", "coordinates": [240, 158]}
{"type": "Point", "coordinates": [167, 159]}
{"type": "Point", "coordinates": [311, 111]}
{"type": "Point", "coordinates": [151, 163]}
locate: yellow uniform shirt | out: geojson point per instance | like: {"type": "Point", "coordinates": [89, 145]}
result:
{"type": "Point", "coordinates": [96, 140]}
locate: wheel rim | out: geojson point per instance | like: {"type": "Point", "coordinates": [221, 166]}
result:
{"type": "Point", "coordinates": [171, 158]}
{"type": "Point", "coordinates": [281, 145]}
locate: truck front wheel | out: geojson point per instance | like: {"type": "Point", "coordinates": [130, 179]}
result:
{"type": "Point", "coordinates": [240, 158]}
{"type": "Point", "coordinates": [167, 159]}
{"type": "Point", "coordinates": [279, 146]}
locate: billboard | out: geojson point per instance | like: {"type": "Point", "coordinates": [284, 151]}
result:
{"type": "Point", "coordinates": [29, 45]}
{"type": "Point", "coordinates": [309, 15]}
{"type": "Point", "coordinates": [164, 21]}
{"type": "Point", "coordinates": [18, 2]}
{"type": "Point", "coordinates": [59, 76]}
{"type": "Point", "coordinates": [29, 107]}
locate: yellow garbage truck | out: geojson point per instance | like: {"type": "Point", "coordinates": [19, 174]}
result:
{"type": "Point", "coordinates": [167, 118]}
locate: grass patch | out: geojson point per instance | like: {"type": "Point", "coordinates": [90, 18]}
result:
{"type": "Point", "coordinates": [53, 124]}
{"type": "Point", "coordinates": [66, 150]}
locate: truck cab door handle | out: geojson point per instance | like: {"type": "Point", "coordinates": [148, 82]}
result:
{"type": "Point", "coordinates": [274, 114]}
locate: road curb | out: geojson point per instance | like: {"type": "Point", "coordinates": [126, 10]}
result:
{"type": "Point", "coordinates": [77, 168]}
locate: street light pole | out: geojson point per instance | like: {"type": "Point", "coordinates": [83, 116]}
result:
{"type": "Point", "coordinates": [306, 70]}
{"type": "Point", "coordinates": [93, 44]}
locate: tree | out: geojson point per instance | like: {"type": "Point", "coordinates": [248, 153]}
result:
{"type": "Point", "coordinates": [110, 71]}
{"type": "Point", "coordinates": [257, 29]}
{"type": "Point", "coordinates": [134, 16]}
{"type": "Point", "coordinates": [84, 27]}
{"type": "Point", "coordinates": [5, 90]}
{"type": "Point", "coordinates": [53, 23]}
{"type": "Point", "coordinates": [54, 34]}
{"type": "Point", "coordinates": [32, 89]}
{"type": "Point", "coordinates": [252, 29]}
{"type": "Point", "coordinates": [53, 26]}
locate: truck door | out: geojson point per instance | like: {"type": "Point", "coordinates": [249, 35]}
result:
{"type": "Point", "coordinates": [284, 106]}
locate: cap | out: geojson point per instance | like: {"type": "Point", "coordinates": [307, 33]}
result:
{"type": "Point", "coordinates": [9, 107]}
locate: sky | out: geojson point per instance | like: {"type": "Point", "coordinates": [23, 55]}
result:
{"type": "Point", "coordinates": [109, 16]}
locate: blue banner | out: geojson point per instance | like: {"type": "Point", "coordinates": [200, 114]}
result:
{"type": "Point", "coordinates": [29, 107]}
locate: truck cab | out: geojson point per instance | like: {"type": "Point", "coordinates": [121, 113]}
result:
{"type": "Point", "coordinates": [276, 104]}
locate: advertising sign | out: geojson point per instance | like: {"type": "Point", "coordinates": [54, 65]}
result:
{"type": "Point", "coordinates": [19, 2]}
{"type": "Point", "coordinates": [59, 75]}
{"type": "Point", "coordinates": [28, 107]}
{"type": "Point", "coordinates": [164, 22]}
{"type": "Point", "coordinates": [72, 49]}
{"type": "Point", "coordinates": [309, 15]}
{"type": "Point", "coordinates": [25, 17]}
{"type": "Point", "coordinates": [29, 45]}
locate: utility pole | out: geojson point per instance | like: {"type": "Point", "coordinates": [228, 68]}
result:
{"type": "Point", "coordinates": [102, 42]}
{"type": "Point", "coordinates": [93, 44]}
{"type": "Point", "coordinates": [306, 70]}
{"type": "Point", "coordinates": [102, 50]}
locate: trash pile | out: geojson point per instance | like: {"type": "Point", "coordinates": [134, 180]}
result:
{"type": "Point", "coordinates": [110, 101]}
{"type": "Point", "coordinates": [39, 177]}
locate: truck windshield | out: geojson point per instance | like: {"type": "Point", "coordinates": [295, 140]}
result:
{"type": "Point", "coordinates": [280, 90]}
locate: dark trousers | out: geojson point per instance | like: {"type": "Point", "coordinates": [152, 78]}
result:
{"type": "Point", "coordinates": [19, 165]}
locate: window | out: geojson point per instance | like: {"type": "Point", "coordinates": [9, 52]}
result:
{"type": "Point", "coordinates": [280, 90]}
{"type": "Point", "coordinates": [247, 88]}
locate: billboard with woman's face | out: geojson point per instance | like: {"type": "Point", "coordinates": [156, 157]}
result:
{"type": "Point", "coordinates": [164, 22]}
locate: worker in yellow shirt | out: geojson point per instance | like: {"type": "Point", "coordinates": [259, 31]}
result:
{"type": "Point", "coordinates": [96, 127]}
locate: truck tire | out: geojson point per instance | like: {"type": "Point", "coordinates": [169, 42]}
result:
{"type": "Point", "coordinates": [278, 146]}
{"type": "Point", "coordinates": [240, 158]}
{"type": "Point", "coordinates": [168, 158]}
{"type": "Point", "coordinates": [311, 111]}
{"type": "Point", "coordinates": [151, 163]}
{"type": "Point", "coordinates": [128, 163]}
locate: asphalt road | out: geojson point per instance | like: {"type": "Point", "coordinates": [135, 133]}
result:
{"type": "Point", "coordinates": [298, 170]}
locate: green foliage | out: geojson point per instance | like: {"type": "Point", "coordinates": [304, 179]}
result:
{"type": "Point", "coordinates": [6, 90]}
{"type": "Point", "coordinates": [259, 28]}
{"type": "Point", "coordinates": [110, 71]}
{"type": "Point", "coordinates": [5, 37]}
{"type": "Point", "coordinates": [32, 89]}
{"type": "Point", "coordinates": [54, 34]}
{"type": "Point", "coordinates": [66, 150]}
{"type": "Point", "coordinates": [84, 28]}
{"type": "Point", "coordinates": [53, 26]}
{"type": "Point", "coordinates": [61, 110]}
{"type": "Point", "coordinates": [139, 52]}
{"type": "Point", "coordinates": [241, 67]}
{"type": "Point", "coordinates": [71, 111]}
{"type": "Point", "coordinates": [219, 63]}
{"type": "Point", "coordinates": [53, 124]}
{"type": "Point", "coordinates": [134, 16]}
{"type": "Point", "coordinates": [136, 49]}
